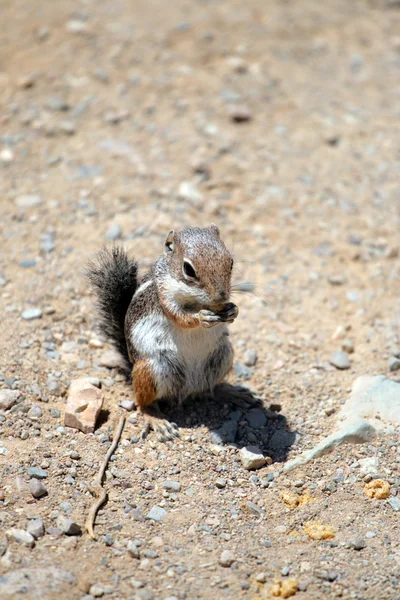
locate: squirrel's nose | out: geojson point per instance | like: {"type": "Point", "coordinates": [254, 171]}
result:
{"type": "Point", "coordinates": [221, 297]}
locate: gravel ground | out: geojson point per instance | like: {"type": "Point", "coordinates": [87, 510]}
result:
{"type": "Point", "coordinates": [280, 122]}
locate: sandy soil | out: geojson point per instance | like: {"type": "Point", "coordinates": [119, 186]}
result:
{"type": "Point", "coordinates": [283, 117]}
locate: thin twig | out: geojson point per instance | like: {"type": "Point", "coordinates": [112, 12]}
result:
{"type": "Point", "coordinates": [97, 489]}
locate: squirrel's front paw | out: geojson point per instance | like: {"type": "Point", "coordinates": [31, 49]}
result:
{"type": "Point", "coordinates": [228, 314]}
{"type": "Point", "coordinates": [208, 318]}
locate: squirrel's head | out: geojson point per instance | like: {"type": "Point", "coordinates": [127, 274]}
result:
{"type": "Point", "coordinates": [199, 268]}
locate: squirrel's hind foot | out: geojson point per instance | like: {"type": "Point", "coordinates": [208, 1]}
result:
{"type": "Point", "coordinates": [155, 420]}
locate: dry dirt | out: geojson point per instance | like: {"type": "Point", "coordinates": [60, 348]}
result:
{"type": "Point", "coordinates": [106, 109]}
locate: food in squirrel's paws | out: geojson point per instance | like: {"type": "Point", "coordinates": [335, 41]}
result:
{"type": "Point", "coordinates": [173, 349]}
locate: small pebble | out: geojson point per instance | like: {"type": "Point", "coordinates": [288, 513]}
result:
{"type": "Point", "coordinates": [31, 313]}
{"type": "Point", "coordinates": [220, 483]}
{"type": "Point", "coordinates": [37, 472]}
{"type": "Point", "coordinates": [68, 526]}
{"type": "Point", "coordinates": [340, 360]}
{"type": "Point", "coordinates": [250, 358]}
{"type": "Point", "coordinates": [133, 549]}
{"type": "Point", "coordinates": [36, 528]}
{"type": "Point", "coordinates": [28, 201]}
{"type": "Point", "coordinates": [21, 537]}
{"type": "Point", "coordinates": [252, 457]}
{"type": "Point", "coordinates": [114, 232]}
{"type": "Point", "coordinates": [394, 503]}
{"type": "Point", "coordinates": [394, 364]}
{"type": "Point", "coordinates": [8, 398]}
{"type": "Point", "coordinates": [359, 544]}
{"type": "Point", "coordinates": [187, 191]}
{"type": "Point", "coordinates": [127, 404]}
{"type": "Point", "coordinates": [6, 156]}
{"type": "Point", "coordinates": [172, 486]}
{"type": "Point", "coordinates": [157, 513]}
{"type": "Point", "coordinates": [227, 558]}
{"type": "Point", "coordinates": [37, 488]}
{"type": "Point", "coordinates": [96, 591]}
{"type": "Point", "coordinates": [34, 413]}
{"type": "Point", "coordinates": [239, 113]}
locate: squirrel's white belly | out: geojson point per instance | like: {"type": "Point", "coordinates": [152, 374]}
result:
{"type": "Point", "coordinates": [189, 350]}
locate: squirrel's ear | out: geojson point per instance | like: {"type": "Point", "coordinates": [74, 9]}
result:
{"type": "Point", "coordinates": [169, 242]}
{"type": "Point", "coordinates": [214, 229]}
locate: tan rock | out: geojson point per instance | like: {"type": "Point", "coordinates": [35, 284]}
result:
{"type": "Point", "coordinates": [83, 406]}
{"type": "Point", "coordinates": [110, 359]}
{"type": "Point", "coordinates": [8, 398]}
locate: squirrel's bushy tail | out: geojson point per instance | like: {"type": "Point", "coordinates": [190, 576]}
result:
{"type": "Point", "coordinates": [113, 277]}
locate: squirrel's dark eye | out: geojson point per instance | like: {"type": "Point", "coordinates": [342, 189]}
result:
{"type": "Point", "coordinates": [188, 270]}
{"type": "Point", "coordinates": [231, 264]}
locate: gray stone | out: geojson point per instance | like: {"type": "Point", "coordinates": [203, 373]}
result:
{"type": "Point", "coordinates": [37, 472]}
{"type": "Point", "coordinates": [394, 364]}
{"type": "Point", "coordinates": [227, 558]}
{"type": "Point", "coordinates": [57, 103]}
{"type": "Point", "coordinates": [34, 413]}
{"type": "Point", "coordinates": [252, 457]}
{"type": "Point", "coordinates": [28, 200]}
{"type": "Point", "coordinates": [394, 503]}
{"type": "Point", "coordinates": [370, 464]}
{"type": "Point", "coordinates": [133, 549]}
{"type": "Point", "coordinates": [220, 483]}
{"type": "Point", "coordinates": [66, 507]}
{"type": "Point", "coordinates": [36, 528]}
{"type": "Point", "coordinates": [250, 358]}
{"type": "Point", "coordinates": [114, 232]}
{"type": "Point", "coordinates": [157, 513]}
{"type": "Point", "coordinates": [37, 488]}
{"type": "Point", "coordinates": [21, 537]}
{"type": "Point", "coordinates": [226, 434]}
{"type": "Point", "coordinates": [340, 360]}
{"type": "Point", "coordinates": [31, 313]}
{"type": "Point", "coordinates": [150, 553]}
{"type": "Point", "coordinates": [254, 509]}
{"type": "Point", "coordinates": [172, 486]}
{"type": "Point", "coordinates": [256, 418]}
{"type": "Point", "coordinates": [28, 263]}
{"type": "Point", "coordinates": [68, 526]}
{"type": "Point", "coordinates": [37, 583]}
{"type": "Point", "coordinates": [350, 433]}
{"type": "Point", "coordinates": [143, 595]}
{"type": "Point", "coordinates": [371, 396]}
{"type": "Point", "coordinates": [359, 544]}
{"type": "Point", "coordinates": [96, 590]}
{"type": "Point", "coordinates": [8, 398]}
{"type": "Point", "coordinates": [242, 371]}
{"type": "Point", "coordinates": [47, 242]}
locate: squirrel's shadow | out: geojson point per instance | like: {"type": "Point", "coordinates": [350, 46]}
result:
{"type": "Point", "coordinates": [235, 416]}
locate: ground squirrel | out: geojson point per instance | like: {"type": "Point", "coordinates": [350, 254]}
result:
{"type": "Point", "coordinates": [169, 326]}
